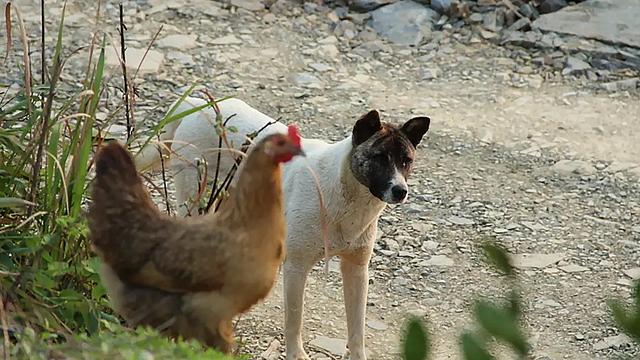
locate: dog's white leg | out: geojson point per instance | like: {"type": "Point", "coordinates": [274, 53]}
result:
{"type": "Point", "coordinates": [355, 280]}
{"type": "Point", "coordinates": [186, 184]}
{"type": "Point", "coordinates": [295, 276]}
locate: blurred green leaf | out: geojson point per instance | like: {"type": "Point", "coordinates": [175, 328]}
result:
{"type": "Point", "coordinates": [498, 257]}
{"type": "Point", "coordinates": [416, 343]}
{"type": "Point", "coordinates": [473, 349]}
{"type": "Point", "coordinates": [10, 202]}
{"type": "Point", "coordinates": [501, 324]}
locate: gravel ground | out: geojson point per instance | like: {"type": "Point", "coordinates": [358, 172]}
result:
{"type": "Point", "coordinates": [545, 163]}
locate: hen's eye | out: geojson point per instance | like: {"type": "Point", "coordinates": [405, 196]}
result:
{"type": "Point", "coordinates": [280, 142]}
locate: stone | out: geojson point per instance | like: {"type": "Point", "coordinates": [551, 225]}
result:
{"type": "Point", "coordinates": [520, 24]}
{"type": "Point", "coordinates": [633, 273]}
{"type": "Point", "coordinates": [320, 67]}
{"type": "Point", "coordinates": [573, 167]}
{"type": "Point", "coordinates": [493, 20]}
{"type": "Point", "coordinates": [430, 245]}
{"type": "Point", "coordinates": [611, 342]}
{"type": "Point", "coordinates": [441, 6]}
{"type": "Point", "coordinates": [620, 85]}
{"type": "Point", "coordinates": [438, 260]}
{"type": "Point", "coordinates": [538, 261]}
{"type": "Point", "coordinates": [549, 6]}
{"type": "Point", "coordinates": [377, 325]}
{"type": "Point", "coordinates": [151, 64]}
{"type": "Point", "coordinates": [180, 57]}
{"type": "Point", "coordinates": [618, 166]}
{"type": "Point", "coordinates": [614, 21]}
{"type": "Point", "coordinates": [527, 40]}
{"type": "Point", "coordinates": [336, 347]}
{"type": "Point", "coordinates": [574, 66]}
{"type": "Point", "coordinates": [226, 40]}
{"type": "Point", "coordinates": [178, 41]}
{"type": "Point", "coordinates": [307, 80]}
{"type": "Point", "coordinates": [272, 352]}
{"type": "Point", "coordinates": [430, 73]}
{"type": "Point", "coordinates": [251, 5]}
{"type": "Point", "coordinates": [367, 5]}
{"type": "Point", "coordinates": [457, 220]}
{"type": "Point", "coordinates": [404, 23]}
{"type": "Point", "coordinates": [573, 268]}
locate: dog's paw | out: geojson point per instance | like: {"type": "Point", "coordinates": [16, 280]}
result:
{"type": "Point", "coordinates": [354, 355]}
{"type": "Point", "coordinates": [298, 355]}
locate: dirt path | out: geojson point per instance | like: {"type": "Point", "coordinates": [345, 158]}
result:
{"type": "Point", "coordinates": [487, 160]}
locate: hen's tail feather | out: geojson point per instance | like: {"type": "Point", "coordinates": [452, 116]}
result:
{"type": "Point", "coordinates": [121, 210]}
{"type": "Point", "coordinates": [113, 160]}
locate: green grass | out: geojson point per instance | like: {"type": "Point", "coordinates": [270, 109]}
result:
{"type": "Point", "coordinates": [48, 274]}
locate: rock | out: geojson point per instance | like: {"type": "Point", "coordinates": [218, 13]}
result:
{"type": "Point", "coordinates": [633, 273]}
{"type": "Point", "coordinates": [367, 5]}
{"type": "Point", "coordinates": [272, 352]}
{"type": "Point", "coordinates": [614, 21]}
{"type": "Point", "coordinates": [574, 66]}
{"type": "Point", "coordinates": [549, 6]}
{"type": "Point", "coordinates": [328, 51]}
{"type": "Point", "coordinates": [430, 73]}
{"type": "Point", "coordinates": [251, 5]}
{"type": "Point", "coordinates": [151, 64]}
{"type": "Point", "coordinates": [618, 166]}
{"type": "Point", "coordinates": [528, 11]}
{"type": "Point", "coordinates": [345, 28]}
{"type": "Point", "coordinates": [476, 18]}
{"type": "Point", "coordinates": [457, 220]}
{"type": "Point", "coordinates": [571, 167]}
{"type": "Point", "coordinates": [611, 341]}
{"type": "Point", "coordinates": [526, 40]}
{"type": "Point", "coordinates": [307, 80]}
{"type": "Point", "coordinates": [573, 268]}
{"type": "Point", "coordinates": [441, 6]}
{"type": "Point", "coordinates": [377, 325]}
{"type": "Point", "coordinates": [404, 23]}
{"type": "Point", "coordinates": [538, 261]}
{"type": "Point", "coordinates": [438, 260]}
{"type": "Point", "coordinates": [430, 245]}
{"type": "Point", "coordinates": [320, 67]}
{"type": "Point", "coordinates": [620, 85]}
{"type": "Point", "coordinates": [336, 347]}
{"type": "Point", "coordinates": [520, 24]}
{"type": "Point", "coordinates": [180, 57]}
{"type": "Point", "coordinates": [493, 20]}
{"type": "Point", "coordinates": [178, 41]}
{"type": "Point", "coordinates": [226, 40]}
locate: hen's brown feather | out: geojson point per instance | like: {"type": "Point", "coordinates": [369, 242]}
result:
{"type": "Point", "coordinates": [189, 277]}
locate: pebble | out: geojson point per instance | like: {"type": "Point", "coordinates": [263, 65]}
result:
{"type": "Point", "coordinates": [573, 268]}
{"type": "Point", "coordinates": [153, 59]}
{"type": "Point", "coordinates": [539, 261]}
{"type": "Point", "coordinates": [611, 342]}
{"type": "Point", "coordinates": [178, 41]}
{"type": "Point", "coordinates": [633, 273]}
{"type": "Point", "coordinates": [438, 260]}
{"type": "Point", "coordinates": [336, 347]}
{"type": "Point", "coordinates": [457, 220]}
{"type": "Point", "coordinates": [573, 167]}
{"type": "Point", "coordinates": [226, 40]}
{"type": "Point", "coordinates": [377, 325]}
{"type": "Point", "coordinates": [251, 5]}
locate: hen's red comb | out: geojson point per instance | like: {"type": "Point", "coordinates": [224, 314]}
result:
{"type": "Point", "coordinates": [294, 135]}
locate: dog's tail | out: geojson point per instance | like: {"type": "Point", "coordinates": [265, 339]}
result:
{"type": "Point", "coordinates": [148, 158]}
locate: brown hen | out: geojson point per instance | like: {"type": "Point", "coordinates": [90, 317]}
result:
{"type": "Point", "coordinates": [190, 277]}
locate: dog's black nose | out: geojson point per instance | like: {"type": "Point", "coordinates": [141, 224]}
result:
{"type": "Point", "coordinates": [399, 192]}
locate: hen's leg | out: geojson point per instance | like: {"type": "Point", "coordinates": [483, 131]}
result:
{"type": "Point", "coordinates": [355, 281]}
{"type": "Point", "coordinates": [295, 276]}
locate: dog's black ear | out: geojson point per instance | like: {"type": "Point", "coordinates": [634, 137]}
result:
{"type": "Point", "coordinates": [415, 129]}
{"type": "Point", "coordinates": [366, 126]}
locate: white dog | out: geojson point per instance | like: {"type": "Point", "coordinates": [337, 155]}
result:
{"type": "Point", "coordinates": [358, 176]}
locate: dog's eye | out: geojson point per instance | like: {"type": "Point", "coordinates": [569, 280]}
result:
{"type": "Point", "coordinates": [406, 162]}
